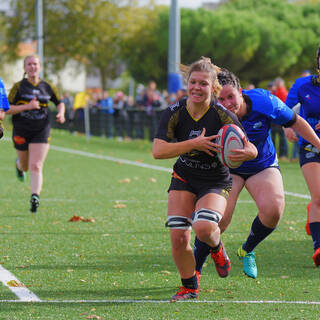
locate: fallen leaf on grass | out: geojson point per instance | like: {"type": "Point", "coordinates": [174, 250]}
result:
{"type": "Point", "coordinates": [76, 218]}
{"type": "Point", "coordinates": [118, 205]}
{"type": "Point", "coordinates": [14, 283]}
{"type": "Point", "coordinates": [93, 316]}
{"type": "Point", "coordinates": [126, 180]}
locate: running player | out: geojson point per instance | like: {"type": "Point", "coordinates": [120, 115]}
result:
{"type": "Point", "coordinates": [200, 183]}
{"type": "Point", "coordinates": [306, 91]}
{"type": "Point", "coordinates": [4, 105]}
{"type": "Point", "coordinates": [256, 109]}
{"type": "Point", "coordinates": [29, 100]}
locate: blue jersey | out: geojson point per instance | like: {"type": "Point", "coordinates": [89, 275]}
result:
{"type": "Point", "coordinates": [307, 94]}
{"type": "Point", "coordinates": [4, 104]}
{"type": "Point", "coordinates": [263, 109]}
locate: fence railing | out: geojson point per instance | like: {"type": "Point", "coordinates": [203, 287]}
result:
{"type": "Point", "coordinates": [133, 123]}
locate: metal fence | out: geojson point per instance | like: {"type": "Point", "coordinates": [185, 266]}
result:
{"type": "Point", "coordinates": [133, 123]}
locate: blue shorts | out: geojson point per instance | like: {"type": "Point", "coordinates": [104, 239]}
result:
{"type": "Point", "coordinates": [307, 154]}
{"type": "Point", "coordinates": [246, 176]}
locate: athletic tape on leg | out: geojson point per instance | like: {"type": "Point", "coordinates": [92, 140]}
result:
{"type": "Point", "coordinates": [178, 222]}
{"type": "Point", "coordinates": [207, 215]}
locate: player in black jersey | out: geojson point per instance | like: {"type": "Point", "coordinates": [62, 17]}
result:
{"type": "Point", "coordinates": [29, 99]}
{"type": "Point", "coordinates": [200, 183]}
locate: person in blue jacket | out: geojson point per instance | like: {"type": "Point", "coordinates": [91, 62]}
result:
{"type": "Point", "coordinates": [256, 109]}
{"type": "Point", "coordinates": [306, 91]}
{"type": "Point", "coordinates": [4, 105]}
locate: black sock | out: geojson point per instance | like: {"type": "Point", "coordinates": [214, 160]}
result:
{"type": "Point", "coordinates": [36, 195]}
{"type": "Point", "coordinates": [315, 233]}
{"type": "Point", "coordinates": [257, 234]}
{"type": "Point", "coordinates": [190, 283]}
{"type": "Point", "coordinates": [201, 251]}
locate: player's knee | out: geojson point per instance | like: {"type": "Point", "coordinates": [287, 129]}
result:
{"type": "Point", "coordinates": [180, 241]}
{"type": "Point", "coordinates": [35, 167]}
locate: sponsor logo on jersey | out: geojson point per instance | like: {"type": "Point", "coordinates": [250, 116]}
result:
{"type": "Point", "coordinates": [257, 125]}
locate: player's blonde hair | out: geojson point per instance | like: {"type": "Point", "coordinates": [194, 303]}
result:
{"type": "Point", "coordinates": [204, 64]}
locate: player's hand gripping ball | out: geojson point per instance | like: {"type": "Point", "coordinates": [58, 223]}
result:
{"type": "Point", "coordinates": [230, 137]}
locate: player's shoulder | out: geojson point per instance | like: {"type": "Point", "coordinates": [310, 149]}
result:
{"type": "Point", "coordinates": [262, 100]}
{"type": "Point", "coordinates": [177, 105]}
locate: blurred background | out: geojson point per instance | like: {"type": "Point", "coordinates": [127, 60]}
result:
{"type": "Point", "coordinates": [94, 50]}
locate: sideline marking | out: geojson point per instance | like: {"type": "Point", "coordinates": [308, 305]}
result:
{"type": "Point", "coordinates": [143, 165]}
{"type": "Point", "coordinates": [23, 293]}
{"type": "Point", "coordinates": [167, 301]}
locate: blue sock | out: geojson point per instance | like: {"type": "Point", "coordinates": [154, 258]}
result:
{"type": "Point", "coordinates": [191, 283]}
{"type": "Point", "coordinates": [201, 251]}
{"type": "Point", "coordinates": [257, 234]}
{"type": "Point", "coordinates": [315, 233]}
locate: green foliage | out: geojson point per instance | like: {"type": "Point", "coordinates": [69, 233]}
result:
{"type": "Point", "coordinates": [257, 39]}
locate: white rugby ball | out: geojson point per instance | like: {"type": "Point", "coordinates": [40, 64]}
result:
{"type": "Point", "coordinates": [230, 136]}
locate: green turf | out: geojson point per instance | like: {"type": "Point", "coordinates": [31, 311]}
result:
{"type": "Point", "coordinates": [125, 254]}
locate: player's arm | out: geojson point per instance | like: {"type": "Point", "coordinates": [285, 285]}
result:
{"type": "Point", "coordinates": [33, 104]}
{"type": "Point", "coordinates": [303, 128]}
{"type": "Point", "coordinates": [60, 117]}
{"type": "Point", "coordinates": [249, 152]}
{"type": "Point", "coordinates": [166, 150]}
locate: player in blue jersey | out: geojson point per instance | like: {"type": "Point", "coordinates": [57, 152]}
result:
{"type": "Point", "coordinates": [4, 105]}
{"type": "Point", "coordinates": [256, 109]}
{"type": "Point", "coordinates": [200, 183]}
{"type": "Point", "coordinates": [306, 92]}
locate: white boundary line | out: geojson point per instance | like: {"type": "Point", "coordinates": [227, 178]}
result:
{"type": "Point", "coordinates": [167, 301]}
{"type": "Point", "coordinates": [139, 164]}
{"type": "Point", "coordinates": [23, 293]}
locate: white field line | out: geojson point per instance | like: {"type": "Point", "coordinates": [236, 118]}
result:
{"type": "Point", "coordinates": [139, 164]}
{"type": "Point", "coordinates": [24, 294]}
{"type": "Point", "coordinates": [167, 301]}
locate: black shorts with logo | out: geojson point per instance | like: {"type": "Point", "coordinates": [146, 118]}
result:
{"type": "Point", "coordinates": [200, 188]}
{"type": "Point", "coordinates": [21, 138]}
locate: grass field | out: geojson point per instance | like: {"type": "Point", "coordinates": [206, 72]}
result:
{"type": "Point", "coordinates": [120, 265]}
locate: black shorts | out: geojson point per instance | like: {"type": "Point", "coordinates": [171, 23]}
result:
{"type": "Point", "coordinates": [22, 138]}
{"type": "Point", "coordinates": [201, 188]}
{"type": "Point", "coordinates": [306, 155]}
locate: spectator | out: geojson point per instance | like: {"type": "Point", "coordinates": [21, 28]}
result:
{"type": "Point", "coordinates": [121, 116]}
{"type": "Point", "coordinates": [152, 102]}
{"type": "Point", "coordinates": [106, 115]}
{"type": "Point", "coordinates": [276, 130]}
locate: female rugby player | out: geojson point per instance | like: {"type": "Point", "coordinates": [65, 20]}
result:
{"type": "Point", "coordinates": [256, 109]}
{"type": "Point", "coordinates": [200, 183]}
{"type": "Point", "coordinates": [29, 100]}
{"type": "Point", "coordinates": [306, 91]}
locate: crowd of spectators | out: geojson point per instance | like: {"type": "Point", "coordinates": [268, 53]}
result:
{"type": "Point", "coordinates": [119, 116]}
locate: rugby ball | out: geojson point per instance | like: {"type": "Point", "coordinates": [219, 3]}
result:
{"type": "Point", "coordinates": [230, 136]}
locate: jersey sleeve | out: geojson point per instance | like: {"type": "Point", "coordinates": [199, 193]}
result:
{"type": "Point", "coordinates": [280, 113]}
{"type": "Point", "coordinates": [4, 103]}
{"type": "Point", "coordinates": [293, 95]}
{"type": "Point", "coordinates": [167, 125]}
{"type": "Point", "coordinates": [55, 98]}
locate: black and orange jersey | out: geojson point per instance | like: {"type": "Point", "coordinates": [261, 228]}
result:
{"type": "Point", "coordinates": [23, 92]}
{"type": "Point", "coordinates": [176, 125]}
